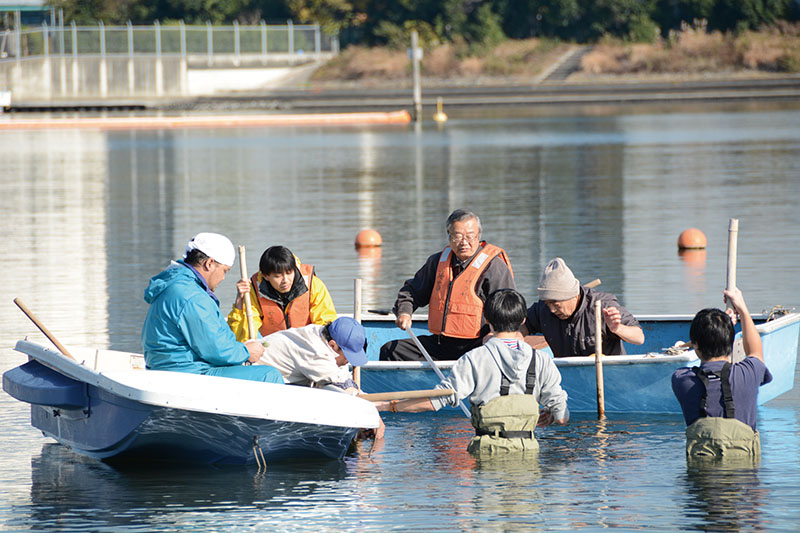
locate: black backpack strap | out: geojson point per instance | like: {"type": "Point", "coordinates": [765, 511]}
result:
{"type": "Point", "coordinates": [727, 393]}
{"type": "Point", "coordinates": [530, 378]}
{"type": "Point", "coordinates": [703, 377]}
{"type": "Point", "coordinates": [504, 385]}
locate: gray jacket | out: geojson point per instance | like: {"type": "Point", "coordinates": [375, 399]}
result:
{"type": "Point", "coordinates": [477, 377]}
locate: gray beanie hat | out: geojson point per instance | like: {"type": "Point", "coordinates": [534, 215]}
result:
{"type": "Point", "coordinates": [558, 282]}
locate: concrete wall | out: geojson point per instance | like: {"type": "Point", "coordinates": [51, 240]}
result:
{"type": "Point", "coordinates": [100, 79]}
{"type": "Point", "coordinates": [93, 77]}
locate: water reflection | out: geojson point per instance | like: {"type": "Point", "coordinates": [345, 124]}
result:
{"type": "Point", "coordinates": [72, 492]}
{"type": "Point", "coordinates": [508, 490]}
{"type": "Point", "coordinates": [724, 494]}
{"type": "Point", "coordinates": [92, 215]}
{"type": "Point", "coordinates": [54, 224]}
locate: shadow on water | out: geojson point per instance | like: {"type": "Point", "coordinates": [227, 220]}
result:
{"type": "Point", "coordinates": [69, 490]}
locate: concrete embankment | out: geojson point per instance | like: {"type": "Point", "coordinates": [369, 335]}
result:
{"type": "Point", "coordinates": [330, 99]}
{"type": "Point", "coordinates": [786, 88]}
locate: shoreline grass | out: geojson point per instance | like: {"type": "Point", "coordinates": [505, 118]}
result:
{"type": "Point", "coordinates": [691, 52]}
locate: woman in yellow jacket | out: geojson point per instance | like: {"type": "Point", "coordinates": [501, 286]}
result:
{"type": "Point", "coordinates": [284, 294]}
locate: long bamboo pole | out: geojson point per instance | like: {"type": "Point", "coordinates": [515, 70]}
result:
{"type": "Point", "coordinates": [598, 359]}
{"type": "Point", "coordinates": [42, 328]}
{"type": "Point", "coordinates": [357, 317]}
{"type": "Point", "coordinates": [405, 394]}
{"type": "Point", "coordinates": [248, 311]}
{"type": "Point", "coordinates": [435, 368]}
{"type": "Point", "coordinates": [733, 239]}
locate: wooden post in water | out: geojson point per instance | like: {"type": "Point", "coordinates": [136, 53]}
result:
{"type": "Point", "coordinates": [598, 359]}
{"type": "Point", "coordinates": [416, 55]}
{"type": "Point", "coordinates": [357, 317]}
{"type": "Point", "coordinates": [733, 239]}
{"type": "Point", "coordinates": [248, 311]}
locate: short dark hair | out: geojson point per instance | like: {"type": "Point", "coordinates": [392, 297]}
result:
{"type": "Point", "coordinates": [195, 258]}
{"type": "Point", "coordinates": [460, 215]}
{"type": "Point", "coordinates": [712, 333]}
{"type": "Point", "coordinates": [276, 259]}
{"type": "Point", "coordinates": [505, 310]}
{"type": "Point", "coordinates": [326, 332]}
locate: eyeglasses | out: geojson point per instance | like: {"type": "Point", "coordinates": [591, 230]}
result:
{"type": "Point", "coordinates": [457, 237]}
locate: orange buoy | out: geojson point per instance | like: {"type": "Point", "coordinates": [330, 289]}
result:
{"type": "Point", "coordinates": [692, 238]}
{"type": "Point", "coordinates": [368, 237]}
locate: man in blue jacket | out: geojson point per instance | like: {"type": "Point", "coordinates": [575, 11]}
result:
{"type": "Point", "coordinates": [184, 330]}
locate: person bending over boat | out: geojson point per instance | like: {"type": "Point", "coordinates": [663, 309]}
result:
{"type": "Point", "coordinates": [505, 381]}
{"type": "Point", "coordinates": [565, 316]}
{"type": "Point", "coordinates": [184, 329]}
{"type": "Point", "coordinates": [455, 284]}
{"type": "Point", "coordinates": [317, 355]}
{"type": "Point", "coordinates": [284, 293]}
{"type": "Point", "coordinates": [719, 398]}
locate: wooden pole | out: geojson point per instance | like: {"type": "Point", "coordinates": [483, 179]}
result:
{"type": "Point", "coordinates": [405, 394]}
{"type": "Point", "coordinates": [43, 329]}
{"type": "Point", "coordinates": [433, 365]}
{"type": "Point", "coordinates": [592, 284]}
{"type": "Point", "coordinates": [733, 239]}
{"type": "Point", "coordinates": [248, 311]}
{"type": "Point", "coordinates": [357, 317]}
{"type": "Point", "coordinates": [598, 359]}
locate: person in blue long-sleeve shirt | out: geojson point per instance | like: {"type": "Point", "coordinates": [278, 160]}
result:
{"type": "Point", "coordinates": [184, 330]}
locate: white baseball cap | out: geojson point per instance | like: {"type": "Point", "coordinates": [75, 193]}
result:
{"type": "Point", "coordinates": [217, 247]}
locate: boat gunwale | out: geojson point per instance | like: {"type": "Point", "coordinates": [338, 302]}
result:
{"type": "Point", "coordinates": [338, 407]}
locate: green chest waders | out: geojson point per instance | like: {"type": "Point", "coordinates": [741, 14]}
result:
{"type": "Point", "coordinates": [506, 423]}
{"type": "Point", "coordinates": [720, 436]}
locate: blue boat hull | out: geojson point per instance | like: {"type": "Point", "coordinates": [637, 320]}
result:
{"type": "Point", "coordinates": [99, 424]}
{"type": "Point", "coordinates": [633, 383]}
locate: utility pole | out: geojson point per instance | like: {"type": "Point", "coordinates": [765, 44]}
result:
{"type": "Point", "coordinates": [416, 56]}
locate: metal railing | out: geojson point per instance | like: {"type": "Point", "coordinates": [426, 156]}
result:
{"type": "Point", "coordinates": [233, 43]}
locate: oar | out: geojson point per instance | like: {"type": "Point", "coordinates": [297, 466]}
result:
{"type": "Point", "coordinates": [405, 394]}
{"type": "Point", "coordinates": [433, 365]}
{"type": "Point", "coordinates": [357, 318]}
{"type": "Point", "coordinates": [592, 284]}
{"type": "Point", "coordinates": [43, 329]}
{"type": "Point", "coordinates": [251, 332]}
{"type": "Point", "coordinates": [598, 359]}
{"type": "Point", "coordinates": [733, 238]}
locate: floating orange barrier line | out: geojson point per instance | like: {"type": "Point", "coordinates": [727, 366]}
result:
{"type": "Point", "coordinates": [221, 121]}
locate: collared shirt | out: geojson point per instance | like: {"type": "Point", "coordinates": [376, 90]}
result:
{"type": "Point", "coordinates": [576, 335]}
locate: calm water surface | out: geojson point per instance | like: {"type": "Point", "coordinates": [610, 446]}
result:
{"type": "Point", "coordinates": [89, 216]}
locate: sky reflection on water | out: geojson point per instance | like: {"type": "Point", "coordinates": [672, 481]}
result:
{"type": "Point", "coordinates": [90, 216]}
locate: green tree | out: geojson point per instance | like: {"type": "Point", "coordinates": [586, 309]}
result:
{"type": "Point", "coordinates": [747, 14]}
{"type": "Point", "coordinates": [332, 15]}
{"type": "Point", "coordinates": [614, 17]}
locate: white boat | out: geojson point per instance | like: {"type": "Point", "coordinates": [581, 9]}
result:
{"type": "Point", "coordinates": [104, 404]}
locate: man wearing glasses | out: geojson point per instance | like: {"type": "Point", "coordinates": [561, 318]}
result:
{"type": "Point", "coordinates": [455, 283]}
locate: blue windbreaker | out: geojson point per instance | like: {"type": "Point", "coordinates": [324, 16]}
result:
{"type": "Point", "coordinates": [184, 329]}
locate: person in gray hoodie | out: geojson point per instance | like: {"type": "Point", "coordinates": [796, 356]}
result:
{"type": "Point", "coordinates": [511, 387]}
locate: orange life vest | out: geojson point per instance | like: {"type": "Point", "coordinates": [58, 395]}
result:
{"type": "Point", "coordinates": [297, 312]}
{"type": "Point", "coordinates": [455, 309]}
